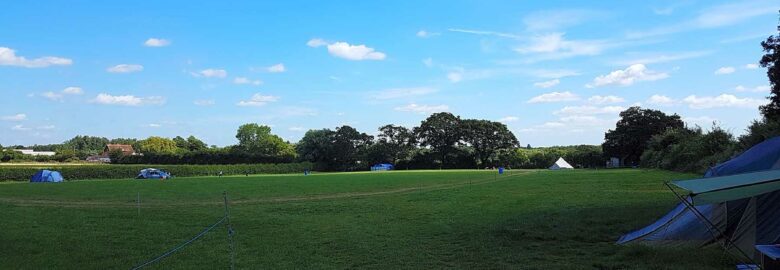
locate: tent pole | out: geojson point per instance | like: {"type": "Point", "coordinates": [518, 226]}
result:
{"type": "Point", "coordinates": [712, 225]}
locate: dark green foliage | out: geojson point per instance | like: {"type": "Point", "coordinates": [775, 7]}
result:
{"type": "Point", "coordinates": [771, 61]}
{"type": "Point", "coordinates": [689, 150]}
{"type": "Point", "coordinates": [23, 173]}
{"type": "Point", "coordinates": [759, 131]}
{"type": "Point", "coordinates": [344, 149]}
{"type": "Point", "coordinates": [486, 137]}
{"type": "Point", "coordinates": [257, 140]}
{"type": "Point", "coordinates": [579, 156]}
{"type": "Point", "coordinates": [440, 131]}
{"type": "Point", "coordinates": [634, 129]}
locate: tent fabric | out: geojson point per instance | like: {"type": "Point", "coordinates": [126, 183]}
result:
{"type": "Point", "coordinates": [46, 176]}
{"type": "Point", "coordinates": [731, 187]}
{"type": "Point", "coordinates": [561, 164]}
{"type": "Point", "coordinates": [382, 167]}
{"type": "Point", "coordinates": [747, 215]}
{"type": "Point", "coordinates": [152, 173]}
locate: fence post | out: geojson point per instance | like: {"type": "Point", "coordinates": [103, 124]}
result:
{"type": "Point", "coordinates": [229, 233]}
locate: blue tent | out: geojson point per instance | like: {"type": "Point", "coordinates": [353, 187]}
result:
{"type": "Point", "coordinates": [382, 167]}
{"type": "Point", "coordinates": [151, 173]}
{"type": "Point", "coordinates": [740, 221]}
{"type": "Point", "coordinates": [46, 176]}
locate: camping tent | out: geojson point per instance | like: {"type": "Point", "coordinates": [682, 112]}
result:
{"type": "Point", "coordinates": [561, 164]}
{"type": "Point", "coordinates": [152, 173]}
{"type": "Point", "coordinates": [46, 176]}
{"type": "Point", "coordinates": [382, 167]}
{"type": "Point", "coordinates": [736, 203]}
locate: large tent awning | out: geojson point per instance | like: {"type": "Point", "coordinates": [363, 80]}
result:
{"type": "Point", "coordinates": [732, 187]}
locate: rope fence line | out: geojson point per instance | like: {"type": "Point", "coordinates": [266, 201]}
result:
{"type": "Point", "coordinates": [225, 219]}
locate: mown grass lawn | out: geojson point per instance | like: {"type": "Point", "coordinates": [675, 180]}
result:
{"type": "Point", "coordinates": [389, 220]}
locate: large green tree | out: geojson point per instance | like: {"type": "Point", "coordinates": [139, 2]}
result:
{"type": "Point", "coordinates": [86, 144]}
{"type": "Point", "coordinates": [771, 61]}
{"type": "Point", "coordinates": [257, 139]}
{"type": "Point", "coordinates": [394, 143]}
{"type": "Point", "coordinates": [339, 150]}
{"type": "Point", "coordinates": [157, 145]}
{"type": "Point", "coordinates": [440, 131]}
{"type": "Point", "coordinates": [486, 137]}
{"type": "Point", "coordinates": [315, 146]}
{"type": "Point", "coordinates": [633, 131]}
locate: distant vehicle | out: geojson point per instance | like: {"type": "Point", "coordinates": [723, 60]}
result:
{"type": "Point", "coordinates": [152, 173]}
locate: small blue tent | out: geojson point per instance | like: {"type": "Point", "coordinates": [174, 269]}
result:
{"type": "Point", "coordinates": [151, 173]}
{"type": "Point", "coordinates": [382, 167]}
{"type": "Point", "coordinates": [742, 221]}
{"type": "Point", "coordinates": [46, 176]}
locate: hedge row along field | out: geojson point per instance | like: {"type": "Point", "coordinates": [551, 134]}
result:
{"type": "Point", "coordinates": [23, 173]}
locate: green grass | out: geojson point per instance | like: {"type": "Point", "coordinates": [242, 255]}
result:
{"type": "Point", "coordinates": [390, 220]}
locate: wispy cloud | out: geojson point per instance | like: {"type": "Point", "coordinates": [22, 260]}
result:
{"type": "Point", "coordinates": [348, 51]}
{"type": "Point", "coordinates": [8, 57]}
{"type": "Point", "coordinates": [547, 84]}
{"type": "Point", "coordinates": [422, 109]}
{"type": "Point", "coordinates": [125, 68]}
{"type": "Point", "coordinates": [127, 100]}
{"type": "Point", "coordinates": [278, 68]}
{"type": "Point", "coordinates": [204, 102]}
{"type": "Point", "coordinates": [426, 34]}
{"type": "Point", "coordinates": [15, 118]}
{"type": "Point", "coordinates": [244, 80]}
{"type": "Point", "coordinates": [725, 70]}
{"type": "Point", "coordinates": [655, 58]}
{"type": "Point", "coordinates": [549, 20]}
{"type": "Point", "coordinates": [157, 42]}
{"type": "Point", "coordinates": [554, 97]}
{"type": "Point", "coordinates": [211, 73]}
{"type": "Point", "coordinates": [508, 119]}
{"type": "Point", "coordinates": [395, 93]}
{"type": "Point", "coordinates": [257, 100]}
{"type": "Point", "coordinates": [629, 76]}
{"type": "Point", "coordinates": [722, 101]}
{"type": "Point", "coordinates": [598, 100]}
{"type": "Point", "coordinates": [485, 33]}
{"type": "Point", "coordinates": [756, 89]}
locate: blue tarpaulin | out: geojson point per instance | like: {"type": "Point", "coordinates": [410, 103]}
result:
{"type": "Point", "coordinates": [46, 176]}
{"type": "Point", "coordinates": [382, 167]}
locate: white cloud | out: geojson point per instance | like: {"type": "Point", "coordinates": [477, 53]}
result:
{"type": "Point", "coordinates": [125, 68]}
{"type": "Point", "coordinates": [297, 129]}
{"type": "Point", "coordinates": [204, 102]}
{"type": "Point", "coordinates": [655, 58]}
{"type": "Point", "coordinates": [485, 33]}
{"type": "Point", "coordinates": [455, 76]}
{"type": "Point", "coordinates": [52, 96]}
{"type": "Point", "coordinates": [632, 74]}
{"type": "Point", "coordinates": [211, 73]}
{"type": "Point", "coordinates": [555, 46]}
{"type": "Point", "coordinates": [422, 109]}
{"type": "Point", "coordinates": [157, 42]}
{"type": "Point", "coordinates": [347, 51]}
{"type": "Point", "coordinates": [722, 101]}
{"type": "Point", "coordinates": [425, 34]}
{"type": "Point", "coordinates": [725, 70]}
{"type": "Point", "coordinates": [127, 100]}
{"type": "Point", "coordinates": [547, 84]}
{"type": "Point", "coordinates": [244, 80]}
{"type": "Point", "coordinates": [402, 92]}
{"type": "Point", "coordinates": [20, 128]}
{"type": "Point", "coordinates": [588, 110]}
{"type": "Point", "coordinates": [8, 57]}
{"type": "Point", "coordinates": [276, 68]}
{"type": "Point", "coordinates": [428, 62]}
{"type": "Point", "coordinates": [661, 100]}
{"type": "Point", "coordinates": [154, 125]}
{"type": "Point", "coordinates": [16, 117]}
{"type": "Point", "coordinates": [316, 42]}
{"type": "Point", "coordinates": [751, 66]}
{"type": "Point", "coordinates": [558, 19]}
{"type": "Point", "coordinates": [354, 52]}
{"type": "Point", "coordinates": [757, 89]}
{"type": "Point", "coordinates": [554, 97]}
{"type": "Point", "coordinates": [258, 100]}
{"type": "Point", "coordinates": [605, 99]}
{"type": "Point", "coordinates": [46, 127]}
{"type": "Point", "coordinates": [509, 119]}
{"type": "Point", "coordinates": [554, 74]}
{"type": "Point", "coordinates": [73, 90]}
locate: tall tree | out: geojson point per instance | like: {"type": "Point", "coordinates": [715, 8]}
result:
{"type": "Point", "coordinates": [257, 139]}
{"type": "Point", "coordinates": [771, 61]}
{"type": "Point", "coordinates": [395, 142]}
{"type": "Point", "coordinates": [86, 144]}
{"type": "Point", "coordinates": [315, 146]}
{"type": "Point", "coordinates": [486, 137]}
{"type": "Point", "coordinates": [157, 145]}
{"type": "Point", "coordinates": [195, 144]}
{"type": "Point", "coordinates": [440, 131]}
{"type": "Point", "coordinates": [181, 143]}
{"type": "Point", "coordinates": [348, 145]}
{"type": "Point", "coordinates": [633, 131]}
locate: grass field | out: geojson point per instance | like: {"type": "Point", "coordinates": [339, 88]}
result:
{"type": "Point", "coordinates": [390, 220]}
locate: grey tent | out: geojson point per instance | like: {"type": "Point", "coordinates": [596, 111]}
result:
{"type": "Point", "coordinates": [561, 164]}
{"type": "Point", "coordinates": [736, 204]}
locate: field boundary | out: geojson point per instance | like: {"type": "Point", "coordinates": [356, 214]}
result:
{"type": "Point", "coordinates": [285, 199]}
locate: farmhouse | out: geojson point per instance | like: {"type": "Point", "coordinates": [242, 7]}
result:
{"type": "Point", "coordinates": [126, 149]}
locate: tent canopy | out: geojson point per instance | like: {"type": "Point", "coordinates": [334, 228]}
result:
{"type": "Point", "coordinates": [561, 164]}
{"type": "Point", "coordinates": [730, 187]}
{"type": "Point", "coordinates": [43, 176]}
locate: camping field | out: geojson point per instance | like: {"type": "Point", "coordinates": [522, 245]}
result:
{"type": "Point", "coordinates": [392, 220]}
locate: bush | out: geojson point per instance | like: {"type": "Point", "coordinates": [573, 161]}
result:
{"type": "Point", "coordinates": [689, 150]}
{"type": "Point", "coordinates": [23, 173]}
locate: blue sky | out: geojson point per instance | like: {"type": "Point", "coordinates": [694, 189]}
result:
{"type": "Point", "coordinates": [556, 72]}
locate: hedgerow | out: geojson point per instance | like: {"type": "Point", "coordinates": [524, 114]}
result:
{"type": "Point", "coordinates": [24, 172]}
